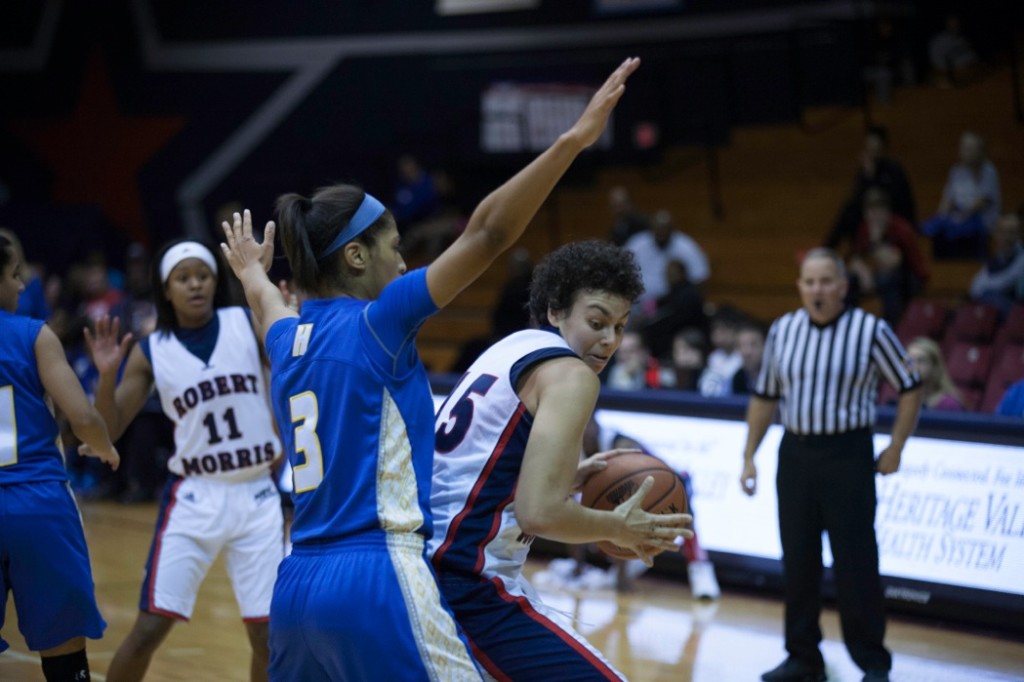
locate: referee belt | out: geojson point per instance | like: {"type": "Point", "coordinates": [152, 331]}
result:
{"type": "Point", "coordinates": [822, 440]}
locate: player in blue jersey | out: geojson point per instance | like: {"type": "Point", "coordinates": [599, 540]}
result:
{"type": "Point", "coordinates": [507, 462]}
{"type": "Point", "coordinates": [205, 363]}
{"type": "Point", "coordinates": [43, 556]}
{"type": "Point", "coordinates": [356, 599]}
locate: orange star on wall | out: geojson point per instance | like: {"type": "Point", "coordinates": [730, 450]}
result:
{"type": "Point", "coordinates": [96, 153]}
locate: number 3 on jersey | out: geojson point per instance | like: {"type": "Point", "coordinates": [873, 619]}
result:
{"type": "Point", "coordinates": [452, 431]}
{"type": "Point", "coordinates": [305, 412]}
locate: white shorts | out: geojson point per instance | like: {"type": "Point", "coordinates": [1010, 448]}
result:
{"type": "Point", "coordinates": [200, 517]}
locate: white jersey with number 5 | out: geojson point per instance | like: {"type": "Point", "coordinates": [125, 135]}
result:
{"type": "Point", "coordinates": [220, 407]}
{"type": "Point", "coordinates": [481, 435]}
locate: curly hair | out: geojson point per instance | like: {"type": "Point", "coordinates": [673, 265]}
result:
{"type": "Point", "coordinates": [582, 266]}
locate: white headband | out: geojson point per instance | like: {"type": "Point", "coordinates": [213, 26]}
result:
{"type": "Point", "coordinates": [180, 252]}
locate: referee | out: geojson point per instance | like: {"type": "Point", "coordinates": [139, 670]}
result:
{"type": "Point", "coordinates": [822, 365]}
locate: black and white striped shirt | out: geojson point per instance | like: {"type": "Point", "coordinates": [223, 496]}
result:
{"type": "Point", "coordinates": [827, 376]}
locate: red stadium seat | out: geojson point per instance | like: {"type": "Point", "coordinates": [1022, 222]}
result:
{"type": "Point", "coordinates": [887, 395]}
{"type": "Point", "coordinates": [922, 318]}
{"type": "Point", "coordinates": [971, 397]}
{"type": "Point", "coordinates": [1007, 368]}
{"type": "Point", "coordinates": [1011, 332]}
{"type": "Point", "coordinates": [1013, 327]}
{"type": "Point", "coordinates": [973, 322]}
{"type": "Point", "coordinates": [969, 364]}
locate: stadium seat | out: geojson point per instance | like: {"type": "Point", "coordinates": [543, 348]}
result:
{"type": "Point", "coordinates": [973, 322]}
{"type": "Point", "coordinates": [887, 395]}
{"type": "Point", "coordinates": [922, 318]}
{"type": "Point", "coordinates": [969, 364]}
{"type": "Point", "coordinates": [971, 397]}
{"type": "Point", "coordinates": [1007, 368]}
{"type": "Point", "coordinates": [1011, 331]}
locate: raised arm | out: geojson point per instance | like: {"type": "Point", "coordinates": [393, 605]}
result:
{"type": "Point", "coordinates": [566, 392]}
{"type": "Point", "coordinates": [250, 261]}
{"type": "Point", "coordinates": [118, 404]}
{"type": "Point", "coordinates": [502, 217]}
{"type": "Point", "coordinates": [63, 386]}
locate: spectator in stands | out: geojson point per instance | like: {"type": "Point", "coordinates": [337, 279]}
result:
{"type": "Point", "coordinates": [950, 55]}
{"type": "Point", "coordinates": [98, 297]}
{"type": "Point", "coordinates": [997, 281]}
{"type": "Point", "coordinates": [680, 307]}
{"type": "Point", "coordinates": [889, 58]}
{"type": "Point", "coordinates": [1012, 403]}
{"type": "Point", "coordinates": [635, 368]}
{"type": "Point", "coordinates": [654, 248]}
{"type": "Point", "coordinates": [971, 201]}
{"type": "Point", "coordinates": [626, 219]}
{"type": "Point", "coordinates": [938, 388]}
{"type": "Point", "coordinates": [724, 359]}
{"type": "Point", "coordinates": [689, 358]}
{"type": "Point", "coordinates": [877, 169]}
{"type": "Point", "coordinates": [885, 258]}
{"type": "Point", "coordinates": [416, 197]}
{"type": "Point", "coordinates": [32, 301]}
{"type": "Point", "coordinates": [750, 345]}
{"type": "Point", "coordinates": [427, 238]}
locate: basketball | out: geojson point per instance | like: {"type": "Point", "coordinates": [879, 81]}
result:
{"type": "Point", "coordinates": [610, 487]}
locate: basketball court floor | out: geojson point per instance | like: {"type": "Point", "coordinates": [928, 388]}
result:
{"type": "Point", "coordinates": [655, 633]}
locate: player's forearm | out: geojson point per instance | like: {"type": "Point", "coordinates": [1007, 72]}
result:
{"type": "Point", "coordinates": [260, 292]}
{"type": "Point", "coordinates": [91, 428]}
{"type": "Point", "coordinates": [504, 214]}
{"type": "Point", "coordinates": [571, 523]}
{"type": "Point", "coordinates": [759, 418]}
{"type": "Point", "coordinates": [907, 410]}
{"type": "Point", "coordinates": [106, 405]}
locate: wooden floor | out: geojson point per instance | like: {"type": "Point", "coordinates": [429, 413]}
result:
{"type": "Point", "coordinates": [655, 633]}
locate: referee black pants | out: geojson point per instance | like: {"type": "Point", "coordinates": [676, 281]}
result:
{"type": "Point", "coordinates": [827, 483]}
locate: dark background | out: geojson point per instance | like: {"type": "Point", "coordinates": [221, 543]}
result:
{"type": "Point", "coordinates": [101, 138]}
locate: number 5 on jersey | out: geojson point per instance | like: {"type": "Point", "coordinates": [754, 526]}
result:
{"type": "Point", "coordinates": [452, 431]}
{"type": "Point", "coordinates": [305, 412]}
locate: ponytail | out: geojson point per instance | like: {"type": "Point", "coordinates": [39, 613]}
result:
{"type": "Point", "coordinates": [310, 225]}
{"type": "Point", "coordinates": [292, 210]}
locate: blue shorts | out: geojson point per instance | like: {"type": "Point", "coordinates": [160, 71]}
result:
{"type": "Point", "coordinates": [363, 609]}
{"type": "Point", "coordinates": [46, 565]}
{"type": "Point", "coordinates": [518, 638]}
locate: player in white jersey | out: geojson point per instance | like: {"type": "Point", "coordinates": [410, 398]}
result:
{"type": "Point", "coordinates": [205, 364]}
{"type": "Point", "coordinates": [507, 447]}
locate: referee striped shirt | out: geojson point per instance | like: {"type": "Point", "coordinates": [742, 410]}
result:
{"type": "Point", "coordinates": [826, 377]}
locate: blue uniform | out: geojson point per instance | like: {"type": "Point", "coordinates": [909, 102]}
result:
{"type": "Point", "coordinates": [42, 547]}
{"type": "Point", "coordinates": [356, 598]}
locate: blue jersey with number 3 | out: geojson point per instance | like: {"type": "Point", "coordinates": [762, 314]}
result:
{"type": "Point", "coordinates": [29, 436]}
{"type": "Point", "coordinates": [353, 403]}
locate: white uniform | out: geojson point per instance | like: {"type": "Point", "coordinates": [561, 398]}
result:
{"type": "Point", "coordinates": [478, 548]}
{"type": "Point", "coordinates": [222, 495]}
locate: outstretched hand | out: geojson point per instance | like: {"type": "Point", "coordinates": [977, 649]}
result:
{"type": "Point", "coordinates": [648, 535]}
{"type": "Point", "coordinates": [107, 353]}
{"type": "Point", "coordinates": [110, 456]}
{"type": "Point", "coordinates": [240, 248]}
{"type": "Point", "coordinates": [595, 117]}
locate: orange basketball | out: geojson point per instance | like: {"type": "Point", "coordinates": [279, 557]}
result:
{"type": "Point", "coordinates": [625, 474]}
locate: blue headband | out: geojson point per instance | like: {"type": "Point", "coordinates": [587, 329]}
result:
{"type": "Point", "coordinates": [365, 215]}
